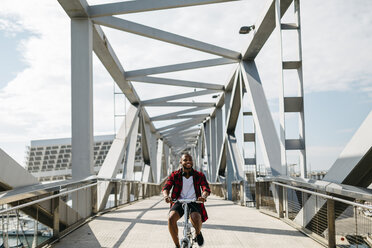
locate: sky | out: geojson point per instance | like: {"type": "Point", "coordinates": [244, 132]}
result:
{"type": "Point", "coordinates": [35, 68]}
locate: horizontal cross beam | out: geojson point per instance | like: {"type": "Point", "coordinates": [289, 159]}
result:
{"type": "Point", "coordinates": [178, 67]}
{"type": "Point", "coordinates": [177, 82]}
{"type": "Point", "coordinates": [157, 34]}
{"type": "Point", "coordinates": [177, 97]}
{"type": "Point", "coordinates": [144, 5]}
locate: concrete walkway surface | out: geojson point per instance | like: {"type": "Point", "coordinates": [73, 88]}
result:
{"type": "Point", "coordinates": [144, 224]}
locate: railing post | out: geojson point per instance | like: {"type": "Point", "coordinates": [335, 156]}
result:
{"type": "Point", "coordinates": [285, 192]}
{"type": "Point", "coordinates": [136, 191]}
{"type": "Point", "coordinates": [94, 200]}
{"type": "Point", "coordinates": [143, 190]}
{"type": "Point", "coordinates": [128, 192]}
{"type": "Point", "coordinates": [115, 194]}
{"type": "Point", "coordinates": [55, 211]}
{"type": "Point", "coordinates": [331, 223]}
{"type": "Point", "coordinates": [242, 193]}
{"type": "Point", "coordinates": [280, 195]}
{"type": "Point", "coordinates": [257, 195]}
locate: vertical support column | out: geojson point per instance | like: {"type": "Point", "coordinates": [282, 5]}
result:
{"type": "Point", "coordinates": [281, 90]}
{"type": "Point", "coordinates": [230, 175]}
{"type": "Point", "coordinates": [219, 135]}
{"type": "Point", "coordinates": [128, 170]}
{"type": "Point", "coordinates": [159, 160]}
{"type": "Point", "coordinates": [208, 146]}
{"type": "Point", "coordinates": [167, 160]}
{"type": "Point", "coordinates": [81, 98]}
{"type": "Point", "coordinates": [331, 223]}
{"type": "Point", "coordinates": [213, 145]}
{"type": "Point", "coordinates": [301, 124]}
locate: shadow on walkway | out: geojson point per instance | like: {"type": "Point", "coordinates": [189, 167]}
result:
{"type": "Point", "coordinates": [130, 227]}
{"type": "Point", "coordinates": [205, 226]}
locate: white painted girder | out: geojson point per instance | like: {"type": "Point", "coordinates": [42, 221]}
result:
{"type": "Point", "coordinates": [144, 5]}
{"type": "Point", "coordinates": [81, 98]}
{"type": "Point", "coordinates": [115, 155]}
{"type": "Point", "coordinates": [190, 110]}
{"type": "Point", "coordinates": [177, 82]}
{"type": "Point", "coordinates": [178, 67]}
{"type": "Point", "coordinates": [174, 117]}
{"type": "Point", "coordinates": [191, 122]}
{"type": "Point", "coordinates": [183, 104]}
{"type": "Point", "coordinates": [153, 33]}
{"type": "Point", "coordinates": [177, 97]}
{"type": "Point", "coordinates": [128, 170]}
{"type": "Point", "coordinates": [263, 29]}
{"type": "Point", "coordinates": [266, 131]}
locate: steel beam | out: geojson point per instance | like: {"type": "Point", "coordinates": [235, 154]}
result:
{"type": "Point", "coordinates": [175, 117]}
{"type": "Point", "coordinates": [115, 156]}
{"type": "Point", "coordinates": [191, 122]}
{"type": "Point", "coordinates": [178, 67]}
{"type": "Point", "coordinates": [159, 161]}
{"type": "Point", "coordinates": [157, 34]}
{"type": "Point", "coordinates": [266, 131]}
{"type": "Point", "coordinates": [144, 5]}
{"type": "Point", "coordinates": [177, 97]}
{"type": "Point", "coordinates": [183, 104]}
{"type": "Point", "coordinates": [128, 166]}
{"type": "Point", "coordinates": [160, 117]}
{"type": "Point", "coordinates": [177, 82]}
{"type": "Point", "coordinates": [81, 98]}
{"type": "Point", "coordinates": [263, 29]}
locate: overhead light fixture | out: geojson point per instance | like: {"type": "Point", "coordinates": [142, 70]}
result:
{"type": "Point", "coordinates": [246, 29]}
{"type": "Point", "coordinates": [215, 96]}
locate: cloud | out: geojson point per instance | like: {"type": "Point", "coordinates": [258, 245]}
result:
{"type": "Point", "coordinates": [336, 51]}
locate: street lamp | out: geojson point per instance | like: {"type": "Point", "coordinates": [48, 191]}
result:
{"type": "Point", "coordinates": [246, 29]}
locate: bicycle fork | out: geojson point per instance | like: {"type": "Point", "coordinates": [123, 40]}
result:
{"type": "Point", "coordinates": [187, 237]}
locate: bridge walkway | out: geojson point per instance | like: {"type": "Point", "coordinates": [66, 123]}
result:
{"type": "Point", "coordinates": [144, 224]}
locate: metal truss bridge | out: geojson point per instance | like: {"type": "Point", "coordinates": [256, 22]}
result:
{"type": "Point", "coordinates": [114, 212]}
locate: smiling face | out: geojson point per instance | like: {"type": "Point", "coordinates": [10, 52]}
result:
{"type": "Point", "coordinates": [186, 161]}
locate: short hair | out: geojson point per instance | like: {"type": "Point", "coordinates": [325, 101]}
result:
{"type": "Point", "coordinates": [186, 154]}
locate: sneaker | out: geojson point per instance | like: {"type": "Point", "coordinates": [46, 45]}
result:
{"type": "Point", "coordinates": [200, 239]}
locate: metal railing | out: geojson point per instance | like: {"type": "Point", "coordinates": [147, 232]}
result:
{"type": "Point", "coordinates": [38, 215]}
{"type": "Point", "coordinates": [333, 214]}
{"type": "Point", "coordinates": [237, 195]}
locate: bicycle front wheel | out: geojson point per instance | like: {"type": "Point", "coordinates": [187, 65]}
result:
{"type": "Point", "coordinates": [184, 244]}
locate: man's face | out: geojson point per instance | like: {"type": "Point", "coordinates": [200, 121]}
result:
{"type": "Point", "coordinates": [186, 161]}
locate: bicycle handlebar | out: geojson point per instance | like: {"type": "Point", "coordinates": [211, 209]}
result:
{"type": "Point", "coordinates": [187, 201]}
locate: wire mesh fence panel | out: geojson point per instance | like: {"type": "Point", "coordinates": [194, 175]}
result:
{"type": "Point", "coordinates": [295, 203]}
{"type": "Point", "coordinates": [318, 223]}
{"type": "Point", "coordinates": [353, 226]}
{"type": "Point", "coordinates": [266, 199]}
{"type": "Point", "coordinates": [19, 230]}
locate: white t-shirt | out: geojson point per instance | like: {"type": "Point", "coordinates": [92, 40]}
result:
{"type": "Point", "coordinates": [188, 190]}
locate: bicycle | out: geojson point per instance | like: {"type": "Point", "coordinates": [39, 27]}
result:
{"type": "Point", "coordinates": [187, 241]}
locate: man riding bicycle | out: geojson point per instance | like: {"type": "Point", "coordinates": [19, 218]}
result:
{"type": "Point", "coordinates": [187, 183]}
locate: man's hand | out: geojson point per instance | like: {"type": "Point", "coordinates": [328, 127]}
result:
{"type": "Point", "coordinates": [202, 199]}
{"type": "Point", "coordinates": [167, 199]}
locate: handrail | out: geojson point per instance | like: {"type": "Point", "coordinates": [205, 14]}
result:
{"type": "Point", "coordinates": [324, 196]}
{"type": "Point", "coordinates": [39, 189]}
{"type": "Point", "coordinates": [328, 187]}
{"type": "Point", "coordinates": [46, 198]}
{"type": "Point", "coordinates": [23, 193]}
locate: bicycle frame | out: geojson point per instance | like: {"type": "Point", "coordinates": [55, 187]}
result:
{"type": "Point", "coordinates": [187, 240]}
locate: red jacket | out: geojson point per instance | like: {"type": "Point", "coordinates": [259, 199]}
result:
{"type": "Point", "coordinates": [200, 185]}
